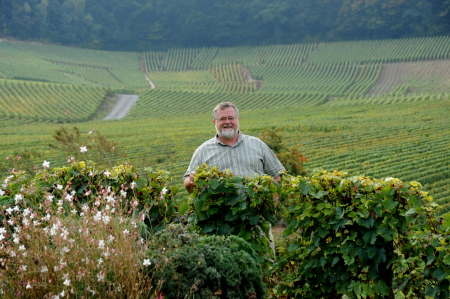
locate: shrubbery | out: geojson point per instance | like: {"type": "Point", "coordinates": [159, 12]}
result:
{"type": "Point", "coordinates": [81, 231]}
{"type": "Point", "coordinates": [189, 265]}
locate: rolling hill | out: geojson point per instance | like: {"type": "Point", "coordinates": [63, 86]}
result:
{"type": "Point", "coordinates": [375, 108]}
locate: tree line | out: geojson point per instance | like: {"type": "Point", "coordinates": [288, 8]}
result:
{"type": "Point", "coordinates": [143, 25]}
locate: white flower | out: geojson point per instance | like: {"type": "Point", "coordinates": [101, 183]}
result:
{"type": "Point", "coordinates": [101, 276]}
{"type": "Point", "coordinates": [69, 197]}
{"type": "Point", "coordinates": [59, 187]}
{"type": "Point", "coordinates": [99, 262]}
{"type": "Point", "coordinates": [66, 282]}
{"type": "Point", "coordinates": [2, 230]}
{"type": "Point", "coordinates": [126, 231]}
{"type": "Point", "coordinates": [133, 185]}
{"type": "Point", "coordinates": [2, 192]}
{"type": "Point", "coordinates": [44, 269]}
{"type": "Point", "coordinates": [164, 190]}
{"type": "Point", "coordinates": [28, 286]}
{"type": "Point", "coordinates": [22, 247]}
{"type": "Point", "coordinates": [147, 262]}
{"type": "Point", "coordinates": [111, 238]}
{"type": "Point", "coordinates": [107, 173]}
{"type": "Point", "coordinates": [46, 164]}
{"type": "Point", "coordinates": [83, 149]}
{"type": "Point", "coordinates": [101, 244]}
{"type": "Point", "coordinates": [18, 197]}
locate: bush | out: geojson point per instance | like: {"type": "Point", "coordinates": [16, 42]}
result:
{"type": "Point", "coordinates": [187, 265]}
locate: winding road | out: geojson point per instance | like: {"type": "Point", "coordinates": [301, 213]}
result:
{"type": "Point", "coordinates": [124, 104]}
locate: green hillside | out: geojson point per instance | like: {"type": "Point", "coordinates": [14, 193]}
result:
{"type": "Point", "coordinates": [377, 108]}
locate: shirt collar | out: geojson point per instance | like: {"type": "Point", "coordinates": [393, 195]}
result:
{"type": "Point", "coordinates": [240, 138]}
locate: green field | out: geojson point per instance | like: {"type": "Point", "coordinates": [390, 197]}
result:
{"type": "Point", "coordinates": [379, 108]}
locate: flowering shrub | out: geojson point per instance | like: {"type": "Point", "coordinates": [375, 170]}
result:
{"type": "Point", "coordinates": [187, 265]}
{"type": "Point", "coordinates": [78, 231]}
{"type": "Point", "coordinates": [81, 183]}
{"type": "Point", "coordinates": [50, 251]}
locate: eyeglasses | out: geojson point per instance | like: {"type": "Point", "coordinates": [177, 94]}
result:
{"type": "Point", "coordinates": [230, 118]}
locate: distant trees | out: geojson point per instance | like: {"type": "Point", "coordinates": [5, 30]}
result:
{"type": "Point", "coordinates": [160, 24]}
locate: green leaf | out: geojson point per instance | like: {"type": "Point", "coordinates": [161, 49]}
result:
{"type": "Point", "coordinates": [305, 187]}
{"type": "Point", "coordinates": [446, 222]}
{"type": "Point", "coordinates": [202, 215]}
{"type": "Point", "coordinates": [254, 219]}
{"type": "Point", "coordinates": [293, 247]}
{"type": "Point", "coordinates": [209, 228]}
{"type": "Point", "coordinates": [366, 222]}
{"type": "Point", "coordinates": [447, 259]}
{"type": "Point", "coordinates": [140, 183]}
{"type": "Point", "coordinates": [389, 204]}
{"type": "Point", "coordinates": [183, 208]}
{"type": "Point", "coordinates": [379, 210]}
{"type": "Point", "coordinates": [386, 232]}
{"type": "Point", "coordinates": [198, 204]}
{"type": "Point", "coordinates": [319, 194]}
{"type": "Point", "coordinates": [322, 231]}
{"type": "Point", "coordinates": [357, 289]}
{"type": "Point", "coordinates": [230, 216]}
{"type": "Point", "coordinates": [245, 234]}
{"type": "Point", "coordinates": [338, 223]}
{"type": "Point", "coordinates": [213, 183]}
{"type": "Point", "coordinates": [339, 212]}
{"type": "Point", "coordinates": [212, 210]}
{"type": "Point", "coordinates": [370, 237]}
{"type": "Point", "coordinates": [410, 212]}
{"type": "Point", "coordinates": [439, 274]}
{"type": "Point", "coordinates": [381, 288]}
{"type": "Point", "coordinates": [193, 219]}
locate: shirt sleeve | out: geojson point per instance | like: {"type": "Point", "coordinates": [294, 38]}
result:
{"type": "Point", "coordinates": [272, 166]}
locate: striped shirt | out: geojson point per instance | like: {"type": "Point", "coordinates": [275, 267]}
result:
{"type": "Point", "coordinates": [248, 157]}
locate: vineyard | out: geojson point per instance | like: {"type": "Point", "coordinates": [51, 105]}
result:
{"type": "Point", "coordinates": [378, 108]}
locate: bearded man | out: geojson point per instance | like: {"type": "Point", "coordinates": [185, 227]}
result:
{"type": "Point", "coordinates": [243, 155]}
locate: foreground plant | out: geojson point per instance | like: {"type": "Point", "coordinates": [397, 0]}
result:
{"type": "Point", "coordinates": [225, 204]}
{"type": "Point", "coordinates": [54, 252]}
{"type": "Point", "coordinates": [79, 231]}
{"type": "Point", "coordinates": [188, 265]}
{"type": "Point", "coordinates": [361, 237]}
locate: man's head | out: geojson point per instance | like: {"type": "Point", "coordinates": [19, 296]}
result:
{"type": "Point", "coordinates": [226, 120]}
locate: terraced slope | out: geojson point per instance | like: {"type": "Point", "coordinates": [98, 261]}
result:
{"type": "Point", "coordinates": [377, 108]}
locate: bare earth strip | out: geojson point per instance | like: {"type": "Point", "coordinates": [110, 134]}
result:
{"type": "Point", "coordinates": [425, 76]}
{"type": "Point", "coordinates": [124, 104]}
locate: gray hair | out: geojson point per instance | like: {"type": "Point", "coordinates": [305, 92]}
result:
{"type": "Point", "coordinates": [223, 106]}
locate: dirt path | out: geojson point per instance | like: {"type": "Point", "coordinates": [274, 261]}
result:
{"type": "Point", "coordinates": [152, 85]}
{"type": "Point", "coordinates": [124, 104]}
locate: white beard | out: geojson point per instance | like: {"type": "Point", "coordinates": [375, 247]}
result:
{"type": "Point", "coordinates": [227, 132]}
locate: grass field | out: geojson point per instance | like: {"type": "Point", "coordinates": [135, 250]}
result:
{"type": "Point", "coordinates": [377, 115]}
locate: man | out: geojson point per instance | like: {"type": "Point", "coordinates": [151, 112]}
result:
{"type": "Point", "coordinates": [244, 155]}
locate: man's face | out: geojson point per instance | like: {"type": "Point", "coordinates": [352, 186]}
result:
{"type": "Point", "coordinates": [226, 123]}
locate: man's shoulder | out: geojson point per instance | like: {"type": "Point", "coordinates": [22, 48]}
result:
{"type": "Point", "coordinates": [251, 138]}
{"type": "Point", "coordinates": [209, 142]}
